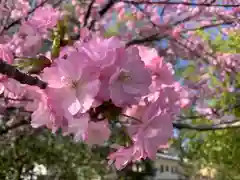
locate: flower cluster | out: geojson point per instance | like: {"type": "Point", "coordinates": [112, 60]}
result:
{"type": "Point", "coordinates": [90, 79]}
{"type": "Point", "coordinates": [95, 84]}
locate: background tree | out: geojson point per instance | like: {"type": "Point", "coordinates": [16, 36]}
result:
{"type": "Point", "coordinates": [217, 149]}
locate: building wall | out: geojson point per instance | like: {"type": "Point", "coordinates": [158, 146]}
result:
{"type": "Point", "coordinates": [167, 169]}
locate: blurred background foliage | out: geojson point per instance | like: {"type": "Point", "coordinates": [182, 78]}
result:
{"type": "Point", "coordinates": [218, 150]}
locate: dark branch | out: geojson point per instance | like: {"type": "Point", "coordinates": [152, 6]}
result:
{"type": "Point", "coordinates": [151, 38]}
{"type": "Point", "coordinates": [200, 127]}
{"type": "Point", "coordinates": [14, 73]}
{"type": "Point", "coordinates": [87, 15]}
{"type": "Point", "coordinates": [221, 126]}
{"type": "Point", "coordinates": [104, 10]}
{"type": "Point", "coordinates": [107, 7]}
{"type": "Point", "coordinates": [177, 3]}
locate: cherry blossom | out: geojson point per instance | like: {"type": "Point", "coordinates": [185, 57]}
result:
{"type": "Point", "coordinates": [97, 133]}
{"type": "Point", "coordinates": [126, 86]}
{"type": "Point", "coordinates": [73, 81]}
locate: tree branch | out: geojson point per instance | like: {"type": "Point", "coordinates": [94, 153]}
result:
{"type": "Point", "coordinates": [87, 15]}
{"type": "Point", "coordinates": [178, 3]}
{"type": "Point", "coordinates": [157, 37]}
{"type": "Point", "coordinates": [221, 126]}
{"type": "Point", "coordinates": [14, 73]}
{"type": "Point", "coordinates": [151, 38]}
{"type": "Point", "coordinates": [107, 7]}
{"type": "Point", "coordinates": [204, 127]}
{"type": "Point", "coordinates": [104, 10]}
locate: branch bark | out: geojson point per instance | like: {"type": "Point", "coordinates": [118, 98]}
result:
{"type": "Point", "coordinates": [14, 73]}
{"type": "Point", "coordinates": [87, 15]}
{"type": "Point", "coordinates": [221, 126]}
{"type": "Point", "coordinates": [203, 127]}
{"type": "Point", "coordinates": [104, 10]}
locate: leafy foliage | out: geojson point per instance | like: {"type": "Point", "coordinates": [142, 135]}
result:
{"type": "Point", "coordinates": [63, 158]}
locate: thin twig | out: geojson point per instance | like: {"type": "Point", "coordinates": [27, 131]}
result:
{"type": "Point", "coordinates": [103, 11]}
{"type": "Point", "coordinates": [133, 118]}
{"type": "Point", "coordinates": [202, 127]}
{"type": "Point", "coordinates": [87, 15]}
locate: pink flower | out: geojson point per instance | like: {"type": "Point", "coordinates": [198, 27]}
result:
{"type": "Point", "coordinates": [228, 61]}
{"type": "Point", "coordinates": [21, 9]}
{"type": "Point", "coordinates": [42, 115]}
{"type": "Point", "coordinates": [130, 81]}
{"type": "Point", "coordinates": [121, 157]}
{"type": "Point", "coordinates": [100, 1]}
{"type": "Point", "coordinates": [154, 126]}
{"type": "Point", "coordinates": [1, 88]}
{"type": "Point", "coordinates": [76, 83]}
{"type": "Point", "coordinates": [97, 133]}
{"type": "Point", "coordinates": [186, 96]}
{"type": "Point", "coordinates": [66, 51]}
{"type": "Point", "coordinates": [105, 54]}
{"type": "Point", "coordinates": [77, 126]}
{"type": "Point", "coordinates": [10, 88]}
{"type": "Point", "coordinates": [101, 51]}
{"type": "Point", "coordinates": [13, 88]}
{"type": "Point", "coordinates": [168, 98]}
{"type": "Point", "coordinates": [36, 96]}
{"type": "Point", "coordinates": [45, 18]}
{"type": "Point", "coordinates": [162, 72]}
{"type": "Point", "coordinates": [46, 111]}
{"type": "Point", "coordinates": [27, 41]}
{"type": "Point", "coordinates": [85, 34]}
{"type": "Point", "coordinates": [6, 54]}
{"type": "Point", "coordinates": [151, 135]}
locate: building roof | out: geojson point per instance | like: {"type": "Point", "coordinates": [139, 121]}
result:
{"type": "Point", "coordinates": [167, 156]}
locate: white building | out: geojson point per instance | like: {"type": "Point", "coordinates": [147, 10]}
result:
{"type": "Point", "coordinates": [168, 167]}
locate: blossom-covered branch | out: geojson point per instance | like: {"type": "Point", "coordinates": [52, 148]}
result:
{"type": "Point", "coordinates": [17, 21]}
{"type": "Point", "coordinates": [159, 37]}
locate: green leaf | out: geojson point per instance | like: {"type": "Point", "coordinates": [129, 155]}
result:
{"type": "Point", "coordinates": [189, 70]}
{"type": "Point", "coordinates": [215, 81]}
{"type": "Point", "coordinates": [56, 46]}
